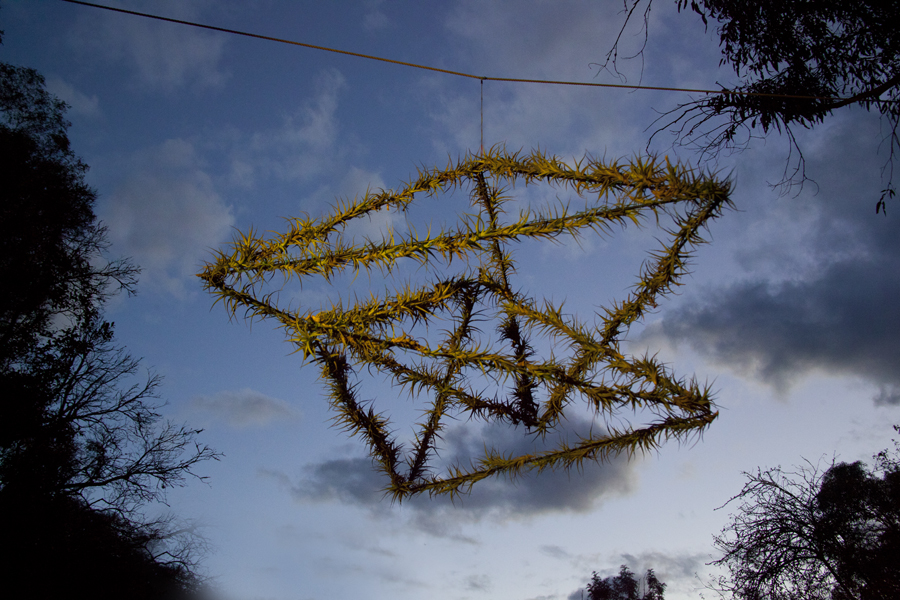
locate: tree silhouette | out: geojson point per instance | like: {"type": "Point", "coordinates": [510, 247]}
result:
{"type": "Point", "coordinates": [812, 534]}
{"type": "Point", "coordinates": [58, 547]}
{"type": "Point", "coordinates": [83, 449]}
{"type": "Point", "coordinates": [390, 334]}
{"type": "Point", "coordinates": [797, 62]}
{"type": "Point", "coordinates": [624, 586]}
{"type": "Point", "coordinates": [51, 246]}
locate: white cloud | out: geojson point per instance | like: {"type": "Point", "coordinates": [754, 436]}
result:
{"type": "Point", "coordinates": [243, 408]}
{"type": "Point", "coordinates": [358, 182]}
{"type": "Point", "coordinates": [303, 147]}
{"type": "Point", "coordinates": [542, 42]}
{"type": "Point", "coordinates": [375, 19]}
{"type": "Point", "coordinates": [166, 56]}
{"type": "Point", "coordinates": [167, 214]}
{"type": "Point", "coordinates": [355, 185]}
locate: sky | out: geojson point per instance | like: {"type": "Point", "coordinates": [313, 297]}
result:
{"type": "Point", "coordinates": [193, 135]}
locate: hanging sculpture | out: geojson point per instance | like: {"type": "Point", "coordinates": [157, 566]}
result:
{"type": "Point", "coordinates": [380, 333]}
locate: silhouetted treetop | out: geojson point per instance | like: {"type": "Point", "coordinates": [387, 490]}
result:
{"type": "Point", "coordinates": [813, 534]}
{"type": "Point", "coordinates": [625, 586]}
{"type": "Point", "coordinates": [797, 62]}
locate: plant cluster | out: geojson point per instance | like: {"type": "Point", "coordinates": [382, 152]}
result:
{"type": "Point", "coordinates": [379, 332]}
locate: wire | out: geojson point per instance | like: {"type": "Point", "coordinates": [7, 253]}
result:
{"type": "Point", "coordinates": [447, 71]}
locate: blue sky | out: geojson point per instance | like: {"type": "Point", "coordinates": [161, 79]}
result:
{"type": "Point", "coordinates": [193, 134]}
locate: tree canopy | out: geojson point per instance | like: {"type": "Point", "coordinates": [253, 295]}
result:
{"type": "Point", "coordinates": [813, 534]}
{"type": "Point", "coordinates": [83, 447]}
{"type": "Point", "coordinates": [50, 240]}
{"type": "Point", "coordinates": [625, 586]}
{"type": "Point", "coordinates": [797, 62]}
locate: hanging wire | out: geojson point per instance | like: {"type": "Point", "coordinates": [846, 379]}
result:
{"type": "Point", "coordinates": [459, 73]}
{"type": "Point", "coordinates": [482, 115]}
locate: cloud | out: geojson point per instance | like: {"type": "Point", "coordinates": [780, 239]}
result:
{"type": "Point", "coordinates": [355, 481]}
{"type": "Point", "coordinates": [168, 211]}
{"type": "Point", "coordinates": [554, 551]}
{"type": "Point", "coordinates": [677, 567]}
{"type": "Point", "coordinates": [166, 214]}
{"type": "Point", "coordinates": [825, 305]}
{"type": "Point", "coordinates": [839, 322]}
{"type": "Point", "coordinates": [79, 103]}
{"type": "Point", "coordinates": [165, 56]}
{"type": "Point", "coordinates": [540, 43]}
{"type": "Point", "coordinates": [478, 583]}
{"type": "Point", "coordinates": [243, 408]}
{"type": "Point", "coordinates": [303, 147]}
{"type": "Point", "coordinates": [349, 480]}
{"type": "Point", "coordinates": [374, 19]}
{"type": "Point", "coordinates": [541, 39]}
{"type": "Point", "coordinates": [355, 184]}
{"type": "Point", "coordinates": [531, 494]}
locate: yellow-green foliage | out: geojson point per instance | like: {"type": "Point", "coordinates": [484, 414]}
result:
{"type": "Point", "coordinates": [377, 333]}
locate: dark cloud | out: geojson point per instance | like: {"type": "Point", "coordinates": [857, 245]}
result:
{"type": "Point", "coordinates": [533, 493]}
{"type": "Point", "coordinates": [349, 480]}
{"type": "Point", "coordinates": [842, 321]}
{"type": "Point", "coordinates": [835, 311]}
{"type": "Point", "coordinates": [554, 551]}
{"type": "Point", "coordinates": [356, 481]}
{"type": "Point", "coordinates": [478, 583]}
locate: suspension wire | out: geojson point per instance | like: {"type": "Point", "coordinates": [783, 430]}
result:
{"type": "Point", "coordinates": [858, 98]}
{"type": "Point", "coordinates": [482, 115]}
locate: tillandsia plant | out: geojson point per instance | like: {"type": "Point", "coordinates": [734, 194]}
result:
{"type": "Point", "coordinates": [380, 332]}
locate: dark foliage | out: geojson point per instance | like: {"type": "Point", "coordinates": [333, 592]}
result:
{"type": "Point", "coordinates": [83, 449]}
{"type": "Point", "coordinates": [57, 547]}
{"type": "Point", "coordinates": [624, 586]}
{"type": "Point", "coordinates": [50, 241]}
{"type": "Point", "coordinates": [808, 534]}
{"type": "Point", "coordinates": [797, 62]}
{"type": "Point", "coordinates": [46, 215]}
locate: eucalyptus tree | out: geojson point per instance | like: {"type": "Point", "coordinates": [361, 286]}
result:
{"type": "Point", "coordinates": [797, 63]}
{"type": "Point", "coordinates": [808, 533]}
